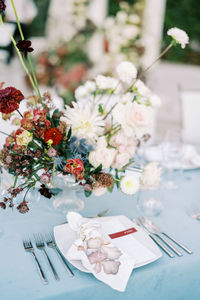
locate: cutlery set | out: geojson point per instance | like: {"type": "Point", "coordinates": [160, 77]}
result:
{"type": "Point", "coordinates": [41, 244]}
{"type": "Point", "coordinates": [159, 237]}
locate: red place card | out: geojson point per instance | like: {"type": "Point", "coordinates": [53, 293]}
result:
{"type": "Point", "coordinates": [122, 233]}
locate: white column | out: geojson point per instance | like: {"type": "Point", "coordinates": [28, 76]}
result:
{"type": "Point", "coordinates": [152, 30]}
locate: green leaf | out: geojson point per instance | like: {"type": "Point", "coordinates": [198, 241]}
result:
{"type": "Point", "coordinates": [87, 193]}
{"type": "Point", "coordinates": [97, 170]}
{"type": "Point", "coordinates": [100, 108]}
{"type": "Point", "coordinates": [110, 189]}
{"type": "Point", "coordinates": [69, 133]}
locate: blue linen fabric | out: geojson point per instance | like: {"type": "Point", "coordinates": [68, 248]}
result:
{"type": "Point", "coordinates": [167, 279]}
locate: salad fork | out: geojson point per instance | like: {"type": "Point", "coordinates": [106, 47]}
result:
{"type": "Point", "coordinates": [51, 244]}
{"type": "Point", "coordinates": [29, 248]}
{"type": "Point", "coordinates": [41, 246]}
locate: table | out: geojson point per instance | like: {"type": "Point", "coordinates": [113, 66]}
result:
{"type": "Point", "coordinates": [166, 279]}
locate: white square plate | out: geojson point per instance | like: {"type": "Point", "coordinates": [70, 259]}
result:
{"type": "Point", "coordinates": [65, 236]}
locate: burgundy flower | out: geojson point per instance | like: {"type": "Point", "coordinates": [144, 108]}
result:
{"type": "Point", "coordinates": [44, 191]}
{"type": "Point", "coordinates": [10, 98]}
{"type": "Point", "coordinates": [2, 6]}
{"type": "Point", "coordinates": [24, 46]}
{"type": "Point", "coordinates": [2, 205]}
{"type": "Point", "coordinates": [23, 207]}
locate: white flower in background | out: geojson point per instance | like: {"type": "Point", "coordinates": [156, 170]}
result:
{"type": "Point", "coordinates": [134, 118]}
{"type": "Point", "coordinates": [102, 154]}
{"type": "Point", "coordinates": [90, 86]}
{"type": "Point", "coordinates": [151, 176]}
{"type": "Point", "coordinates": [109, 22]}
{"type": "Point", "coordinates": [81, 93]}
{"type": "Point", "coordinates": [121, 16]}
{"type": "Point", "coordinates": [154, 100]}
{"type": "Point", "coordinates": [129, 185]}
{"type": "Point", "coordinates": [179, 35]}
{"type": "Point", "coordinates": [135, 19]}
{"type": "Point", "coordinates": [127, 72]}
{"type": "Point", "coordinates": [85, 121]}
{"type": "Point", "coordinates": [130, 32]}
{"type": "Point", "coordinates": [106, 82]}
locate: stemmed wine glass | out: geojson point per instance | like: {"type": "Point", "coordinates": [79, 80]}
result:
{"type": "Point", "coordinates": [172, 156]}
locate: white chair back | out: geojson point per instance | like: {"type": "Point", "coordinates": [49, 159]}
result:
{"type": "Point", "coordinates": [190, 115]}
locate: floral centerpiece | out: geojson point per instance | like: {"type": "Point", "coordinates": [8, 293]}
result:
{"type": "Point", "coordinates": [94, 140]}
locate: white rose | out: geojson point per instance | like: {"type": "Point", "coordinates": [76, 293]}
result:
{"type": "Point", "coordinates": [180, 36]}
{"type": "Point", "coordinates": [151, 176]}
{"type": "Point", "coordinates": [134, 118]}
{"type": "Point", "coordinates": [121, 160]}
{"type": "Point", "coordinates": [127, 72]}
{"type": "Point", "coordinates": [102, 154]}
{"type": "Point", "coordinates": [139, 118]}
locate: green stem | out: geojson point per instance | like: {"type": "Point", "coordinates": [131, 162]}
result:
{"type": "Point", "coordinates": [19, 54]}
{"type": "Point", "coordinates": [20, 113]}
{"type": "Point", "coordinates": [29, 59]}
{"type": "Point", "coordinates": [15, 182]}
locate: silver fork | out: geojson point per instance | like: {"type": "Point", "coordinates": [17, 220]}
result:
{"type": "Point", "coordinates": [41, 246]}
{"type": "Point", "coordinates": [29, 248]}
{"type": "Point", "coordinates": [162, 246]}
{"type": "Point", "coordinates": [51, 244]}
{"type": "Point", "coordinates": [149, 226]}
{"type": "Point", "coordinates": [156, 228]}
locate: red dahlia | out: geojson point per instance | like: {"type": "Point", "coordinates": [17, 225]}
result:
{"type": "Point", "coordinates": [10, 98]}
{"type": "Point", "coordinates": [54, 135]}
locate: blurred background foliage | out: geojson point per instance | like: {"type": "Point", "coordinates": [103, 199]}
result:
{"type": "Point", "coordinates": [184, 14]}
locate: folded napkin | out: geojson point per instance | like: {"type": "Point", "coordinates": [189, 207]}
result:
{"type": "Point", "coordinates": [190, 157]}
{"type": "Point", "coordinates": [98, 254]}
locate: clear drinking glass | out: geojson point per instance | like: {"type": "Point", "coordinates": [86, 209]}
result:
{"type": "Point", "coordinates": [149, 202]}
{"type": "Point", "coordinates": [172, 152]}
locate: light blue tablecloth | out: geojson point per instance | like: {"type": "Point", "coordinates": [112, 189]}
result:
{"type": "Point", "coordinates": [166, 279]}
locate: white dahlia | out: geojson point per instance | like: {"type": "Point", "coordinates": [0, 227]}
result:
{"type": "Point", "coordinates": [85, 121]}
{"type": "Point", "coordinates": [179, 35]}
{"type": "Point", "coordinates": [129, 185]}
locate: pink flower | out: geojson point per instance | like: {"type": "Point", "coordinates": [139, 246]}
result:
{"type": "Point", "coordinates": [45, 178]}
{"type": "Point", "coordinates": [52, 152]}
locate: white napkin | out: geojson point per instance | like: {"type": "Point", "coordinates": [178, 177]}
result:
{"type": "Point", "coordinates": [98, 254]}
{"type": "Point", "coordinates": [190, 157]}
